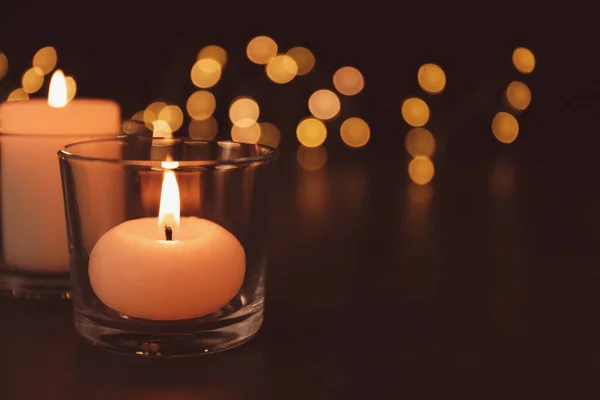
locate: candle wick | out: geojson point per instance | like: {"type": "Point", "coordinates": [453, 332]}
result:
{"type": "Point", "coordinates": [168, 232]}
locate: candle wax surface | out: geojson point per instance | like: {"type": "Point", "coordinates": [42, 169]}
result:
{"type": "Point", "coordinates": [135, 271]}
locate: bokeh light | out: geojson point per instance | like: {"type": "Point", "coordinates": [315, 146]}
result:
{"type": "Point", "coordinates": [244, 112]}
{"type": "Point", "coordinates": [18, 95]}
{"type": "Point", "coordinates": [214, 52]}
{"type": "Point", "coordinates": [248, 134]}
{"type": "Point", "coordinates": [261, 50]}
{"type": "Point", "coordinates": [348, 81]}
{"type": "Point", "coordinates": [138, 116]}
{"type": "Point", "coordinates": [324, 104]}
{"type": "Point", "coordinates": [505, 127]}
{"type": "Point", "coordinates": [161, 129]}
{"type": "Point", "coordinates": [523, 60]}
{"type": "Point", "coordinates": [415, 112]}
{"type": "Point", "coordinates": [32, 80]}
{"type": "Point", "coordinates": [311, 132]}
{"type": "Point", "coordinates": [201, 105]}
{"type": "Point", "coordinates": [282, 69]}
{"type": "Point", "coordinates": [304, 59]}
{"type": "Point", "coordinates": [45, 59]}
{"type": "Point", "coordinates": [205, 73]}
{"type": "Point", "coordinates": [431, 78]}
{"type": "Point", "coordinates": [355, 132]}
{"type": "Point", "coordinates": [205, 129]}
{"type": "Point", "coordinates": [173, 116]}
{"type": "Point", "coordinates": [311, 158]}
{"type": "Point", "coordinates": [421, 170]}
{"type": "Point", "coordinates": [420, 142]}
{"type": "Point", "coordinates": [518, 95]}
{"type": "Point", "coordinates": [269, 134]}
{"type": "Point", "coordinates": [71, 87]}
{"type": "Point", "coordinates": [3, 65]}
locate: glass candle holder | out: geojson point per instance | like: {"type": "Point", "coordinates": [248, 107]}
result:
{"type": "Point", "coordinates": [168, 242]}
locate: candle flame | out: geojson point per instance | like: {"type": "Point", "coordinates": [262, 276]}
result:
{"type": "Point", "coordinates": [169, 211]}
{"type": "Point", "coordinates": [57, 94]}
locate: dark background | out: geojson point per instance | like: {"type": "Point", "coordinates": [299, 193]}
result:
{"type": "Point", "coordinates": [487, 290]}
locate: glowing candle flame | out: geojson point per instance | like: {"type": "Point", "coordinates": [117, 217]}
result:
{"type": "Point", "coordinates": [169, 211]}
{"type": "Point", "coordinates": [57, 94]}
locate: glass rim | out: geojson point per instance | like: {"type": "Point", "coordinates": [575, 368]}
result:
{"type": "Point", "coordinates": [270, 156]}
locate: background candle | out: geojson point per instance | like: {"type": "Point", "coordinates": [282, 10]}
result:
{"type": "Point", "coordinates": [136, 270]}
{"type": "Point", "coordinates": [33, 226]}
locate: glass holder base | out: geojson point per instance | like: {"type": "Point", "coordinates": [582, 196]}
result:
{"type": "Point", "coordinates": [35, 286]}
{"type": "Point", "coordinates": [165, 344]}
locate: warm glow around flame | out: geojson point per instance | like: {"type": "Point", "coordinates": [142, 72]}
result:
{"type": "Point", "coordinates": [57, 94]}
{"type": "Point", "coordinates": [169, 211]}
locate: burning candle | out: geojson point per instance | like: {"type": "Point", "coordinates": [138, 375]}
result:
{"type": "Point", "coordinates": [167, 268]}
{"type": "Point", "coordinates": [34, 234]}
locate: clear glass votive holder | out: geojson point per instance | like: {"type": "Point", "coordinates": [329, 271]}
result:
{"type": "Point", "coordinates": [168, 242]}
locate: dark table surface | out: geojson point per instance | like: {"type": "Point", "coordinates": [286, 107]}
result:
{"type": "Point", "coordinates": [480, 285]}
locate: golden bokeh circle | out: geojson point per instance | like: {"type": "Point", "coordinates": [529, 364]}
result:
{"type": "Point", "coordinates": [282, 69]}
{"type": "Point", "coordinates": [173, 116]}
{"type": "Point", "coordinates": [269, 134]}
{"type": "Point", "coordinates": [3, 65]}
{"type": "Point", "coordinates": [523, 60]}
{"type": "Point", "coordinates": [201, 104]}
{"type": "Point", "coordinates": [151, 113]}
{"type": "Point", "coordinates": [205, 73]}
{"type": "Point", "coordinates": [415, 112]}
{"type": "Point", "coordinates": [421, 170]}
{"type": "Point", "coordinates": [244, 112]}
{"type": "Point", "coordinates": [431, 78]}
{"type": "Point", "coordinates": [420, 142]}
{"type": "Point", "coordinates": [214, 52]}
{"type": "Point", "coordinates": [33, 80]}
{"type": "Point", "coordinates": [18, 95]}
{"type": "Point", "coordinates": [348, 81]}
{"type": "Point", "coordinates": [205, 129]}
{"type": "Point", "coordinates": [45, 59]}
{"type": "Point", "coordinates": [261, 49]}
{"type": "Point", "coordinates": [304, 59]}
{"type": "Point", "coordinates": [505, 127]}
{"type": "Point", "coordinates": [248, 134]}
{"type": "Point", "coordinates": [324, 104]}
{"type": "Point", "coordinates": [311, 132]}
{"type": "Point", "coordinates": [71, 87]}
{"type": "Point", "coordinates": [518, 95]}
{"type": "Point", "coordinates": [355, 132]}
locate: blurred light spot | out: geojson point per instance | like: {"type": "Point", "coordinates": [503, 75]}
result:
{"type": "Point", "coordinates": [205, 129]}
{"type": "Point", "coordinates": [355, 132]}
{"type": "Point", "coordinates": [244, 112]}
{"type": "Point", "coordinates": [173, 116]}
{"type": "Point", "coordinates": [518, 95]}
{"type": "Point", "coordinates": [214, 52]}
{"type": "Point", "coordinates": [138, 116]}
{"type": "Point", "coordinates": [282, 69]}
{"type": "Point", "coordinates": [505, 127]}
{"type": "Point", "coordinates": [421, 170]}
{"type": "Point", "coordinates": [206, 72]}
{"type": "Point", "coordinates": [304, 59]}
{"type": "Point", "coordinates": [261, 50]}
{"type": "Point", "coordinates": [415, 112]}
{"type": "Point", "coordinates": [311, 158]}
{"type": "Point", "coordinates": [420, 142]}
{"type": "Point", "coordinates": [324, 104]}
{"type": "Point", "coordinates": [311, 132]}
{"type": "Point", "coordinates": [151, 113]}
{"type": "Point", "coordinates": [3, 65]}
{"type": "Point", "coordinates": [420, 195]}
{"type": "Point", "coordinates": [249, 134]}
{"type": "Point", "coordinates": [45, 59]}
{"type": "Point", "coordinates": [348, 81]}
{"type": "Point", "coordinates": [269, 134]}
{"type": "Point", "coordinates": [432, 78]}
{"type": "Point", "coordinates": [18, 95]}
{"type": "Point", "coordinates": [523, 60]}
{"type": "Point", "coordinates": [32, 80]}
{"type": "Point", "coordinates": [161, 129]}
{"type": "Point", "coordinates": [71, 87]}
{"type": "Point", "coordinates": [201, 105]}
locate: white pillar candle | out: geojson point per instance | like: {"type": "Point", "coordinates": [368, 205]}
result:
{"type": "Point", "coordinates": [167, 268]}
{"type": "Point", "coordinates": [33, 225]}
